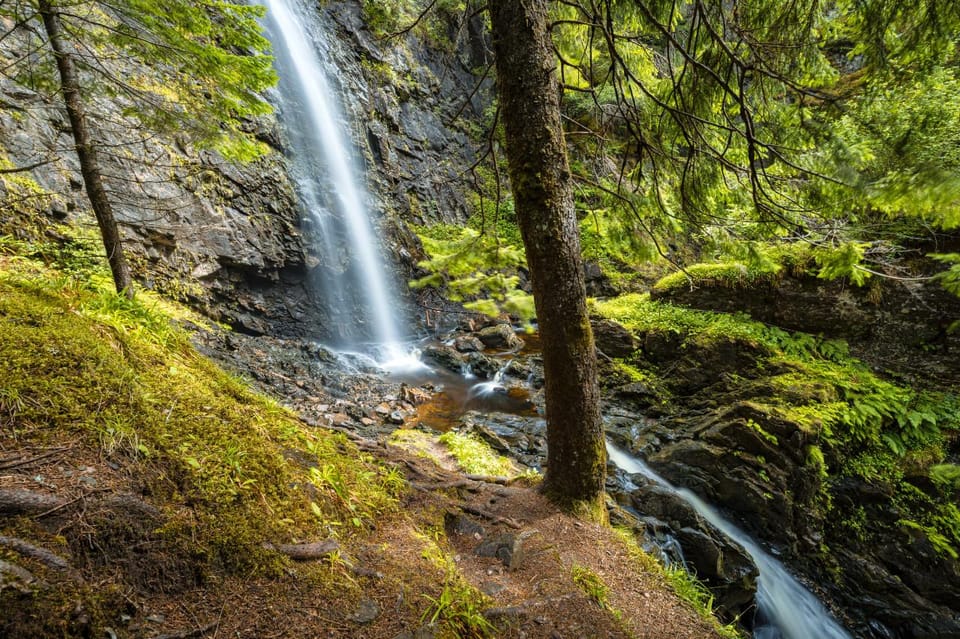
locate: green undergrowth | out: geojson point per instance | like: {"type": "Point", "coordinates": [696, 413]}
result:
{"type": "Point", "coordinates": [229, 468]}
{"type": "Point", "coordinates": [457, 610]}
{"type": "Point", "coordinates": [812, 381]}
{"type": "Point", "coordinates": [755, 264]}
{"type": "Point", "coordinates": [864, 426]}
{"type": "Point", "coordinates": [475, 456]}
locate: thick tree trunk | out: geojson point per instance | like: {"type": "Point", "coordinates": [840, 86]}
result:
{"type": "Point", "coordinates": [543, 197]}
{"type": "Point", "coordinates": [86, 151]}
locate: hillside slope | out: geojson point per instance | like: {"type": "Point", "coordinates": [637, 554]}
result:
{"type": "Point", "coordinates": [146, 493]}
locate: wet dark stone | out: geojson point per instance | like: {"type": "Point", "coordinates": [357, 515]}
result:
{"type": "Point", "coordinates": [612, 339]}
{"type": "Point", "coordinates": [461, 525]}
{"type": "Point", "coordinates": [501, 336]}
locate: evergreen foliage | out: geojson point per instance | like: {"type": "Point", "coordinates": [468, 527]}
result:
{"type": "Point", "coordinates": [732, 125]}
{"type": "Point", "coordinates": [197, 68]}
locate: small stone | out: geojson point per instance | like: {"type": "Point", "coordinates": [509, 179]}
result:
{"type": "Point", "coordinates": [367, 611]}
{"type": "Point", "coordinates": [508, 548]}
{"type": "Point", "coordinates": [461, 525]}
{"type": "Point", "coordinates": [500, 336]}
{"type": "Point", "coordinates": [468, 344]}
{"type": "Point", "coordinates": [428, 631]}
{"type": "Point", "coordinates": [397, 417]}
{"type": "Point", "coordinates": [339, 419]}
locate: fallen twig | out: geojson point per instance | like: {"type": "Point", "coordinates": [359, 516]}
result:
{"type": "Point", "coordinates": [306, 552]}
{"type": "Point", "coordinates": [19, 462]}
{"type": "Point", "coordinates": [30, 551]}
{"type": "Point", "coordinates": [497, 519]}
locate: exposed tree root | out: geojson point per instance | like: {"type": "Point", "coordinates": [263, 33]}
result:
{"type": "Point", "coordinates": [27, 502]}
{"type": "Point", "coordinates": [25, 549]}
{"type": "Point", "coordinates": [486, 515]}
{"type": "Point", "coordinates": [307, 552]}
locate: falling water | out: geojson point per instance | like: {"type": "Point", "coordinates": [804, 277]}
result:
{"type": "Point", "coordinates": [353, 286]}
{"type": "Point", "coordinates": [785, 609]}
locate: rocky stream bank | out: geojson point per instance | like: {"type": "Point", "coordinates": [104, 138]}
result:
{"type": "Point", "coordinates": [704, 416]}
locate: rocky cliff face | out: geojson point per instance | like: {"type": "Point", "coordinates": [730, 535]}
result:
{"type": "Point", "coordinates": [901, 324]}
{"type": "Point", "coordinates": [229, 238]}
{"type": "Point", "coordinates": [715, 423]}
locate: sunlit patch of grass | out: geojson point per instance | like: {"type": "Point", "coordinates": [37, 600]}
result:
{"type": "Point", "coordinates": [476, 457]}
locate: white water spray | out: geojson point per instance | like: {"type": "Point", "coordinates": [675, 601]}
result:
{"type": "Point", "coordinates": [785, 609]}
{"type": "Point", "coordinates": [314, 125]}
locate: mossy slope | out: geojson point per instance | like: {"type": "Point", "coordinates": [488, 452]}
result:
{"type": "Point", "coordinates": [188, 477]}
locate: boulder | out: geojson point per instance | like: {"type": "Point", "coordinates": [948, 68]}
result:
{"type": "Point", "coordinates": [613, 339]}
{"type": "Point", "coordinates": [501, 336]}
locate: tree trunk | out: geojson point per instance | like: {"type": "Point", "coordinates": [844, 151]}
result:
{"type": "Point", "coordinates": [540, 176]}
{"type": "Point", "coordinates": [86, 151]}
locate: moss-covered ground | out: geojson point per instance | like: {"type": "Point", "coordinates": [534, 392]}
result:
{"type": "Point", "coordinates": [175, 494]}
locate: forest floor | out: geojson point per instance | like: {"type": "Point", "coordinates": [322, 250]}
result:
{"type": "Point", "coordinates": [556, 576]}
{"type": "Point", "coordinates": [147, 494]}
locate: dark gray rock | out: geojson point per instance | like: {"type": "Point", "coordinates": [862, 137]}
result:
{"type": "Point", "coordinates": [501, 336]}
{"type": "Point", "coordinates": [444, 356]}
{"type": "Point", "coordinates": [720, 562]}
{"type": "Point", "coordinates": [367, 611]}
{"type": "Point", "coordinates": [506, 547]}
{"type": "Point", "coordinates": [612, 339]}
{"type": "Point", "coordinates": [458, 524]}
{"type": "Point", "coordinates": [467, 344]}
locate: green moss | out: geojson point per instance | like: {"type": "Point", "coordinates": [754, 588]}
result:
{"type": "Point", "coordinates": [724, 274]}
{"type": "Point", "coordinates": [78, 362]}
{"type": "Point", "coordinates": [641, 314]}
{"type": "Point", "coordinates": [592, 586]}
{"type": "Point", "coordinates": [475, 456]}
{"type": "Point", "coordinates": [866, 427]}
{"type": "Point", "coordinates": [947, 476]}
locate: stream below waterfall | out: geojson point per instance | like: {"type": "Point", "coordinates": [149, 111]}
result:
{"type": "Point", "coordinates": [785, 608]}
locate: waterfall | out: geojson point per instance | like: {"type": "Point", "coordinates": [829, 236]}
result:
{"type": "Point", "coordinates": [785, 609]}
{"type": "Point", "coordinates": [352, 284]}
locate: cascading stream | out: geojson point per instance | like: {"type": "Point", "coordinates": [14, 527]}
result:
{"type": "Point", "coordinates": [785, 609]}
{"type": "Point", "coordinates": [354, 287]}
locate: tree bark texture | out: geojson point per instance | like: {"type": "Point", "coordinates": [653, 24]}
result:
{"type": "Point", "coordinates": [86, 151]}
{"type": "Point", "coordinates": [541, 182]}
